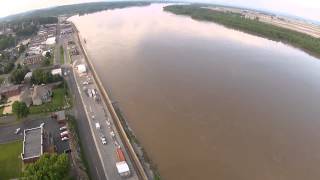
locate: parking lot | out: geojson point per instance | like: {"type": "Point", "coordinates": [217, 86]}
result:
{"type": "Point", "coordinates": [7, 133]}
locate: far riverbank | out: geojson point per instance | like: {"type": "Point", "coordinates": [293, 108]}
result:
{"type": "Point", "coordinates": [305, 42]}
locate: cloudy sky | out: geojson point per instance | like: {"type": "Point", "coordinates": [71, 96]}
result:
{"type": "Point", "coordinates": [309, 9]}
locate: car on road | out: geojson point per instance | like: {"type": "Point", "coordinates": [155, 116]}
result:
{"type": "Point", "coordinates": [108, 123]}
{"type": "Point", "coordinates": [85, 83]}
{"type": "Point", "coordinates": [42, 124]}
{"type": "Point", "coordinates": [64, 138]}
{"type": "Point", "coordinates": [17, 131]}
{"type": "Point", "coordinates": [98, 126]}
{"type": "Point", "coordinates": [63, 128]}
{"type": "Point", "coordinates": [103, 139]}
{"type": "Point", "coordinates": [90, 92]}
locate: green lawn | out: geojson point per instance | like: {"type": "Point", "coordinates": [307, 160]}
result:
{"type": "Point", "coordinates": [1, 110]}
{"type": "Point", "coordinates": [10, 160]}
{"type": "Point", "coordinates": [57, 103]}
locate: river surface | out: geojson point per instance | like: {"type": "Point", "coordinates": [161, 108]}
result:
{"type": "Point", "coordinates": [208, 102]}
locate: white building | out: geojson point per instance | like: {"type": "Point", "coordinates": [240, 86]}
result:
{"type": "Point", "coordinates": [28, 76]}
{"type": "Point", "coordinates": [82, 68]}
{"type": "Point", "coordinates": [56, 71]}
{"type": "Point", "coordinates": [51, 41]}
{"type": "Point", "coordinates": [35, 50]}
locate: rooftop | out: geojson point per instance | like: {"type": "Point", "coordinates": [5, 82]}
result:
{"type": "Point", "coordinates": [10, 88]}
{"type": "Point", "coordinates": [32, 143]}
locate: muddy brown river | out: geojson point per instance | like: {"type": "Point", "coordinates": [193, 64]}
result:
{"type": "Point", "coordinates": [208, 102]}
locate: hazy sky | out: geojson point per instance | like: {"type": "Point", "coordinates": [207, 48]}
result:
{"type": "Point", "coordinates": [304, 8]}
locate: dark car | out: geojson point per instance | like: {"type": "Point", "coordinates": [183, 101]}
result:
{"type": "Point", "coordinates": [67, 151]}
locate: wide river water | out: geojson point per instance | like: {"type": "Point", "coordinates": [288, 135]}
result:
{"type": "Point", "coordinates": [208, 102]}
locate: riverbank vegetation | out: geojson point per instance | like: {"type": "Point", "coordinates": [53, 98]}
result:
{"type": "Point", "coordinates": [236, 21]}
{"type": "Point", "coordinates": [74, 9]}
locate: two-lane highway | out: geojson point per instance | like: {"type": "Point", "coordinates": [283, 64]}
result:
{"type": "Point", "coordinates": [88, 146]}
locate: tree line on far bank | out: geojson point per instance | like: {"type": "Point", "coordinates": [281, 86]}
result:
{"type": "Point", "coordinates": [237, 21]}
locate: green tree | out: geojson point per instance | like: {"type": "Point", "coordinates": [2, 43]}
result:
{"type": "Point", "coordinates": [40, 76]}
{"type": "Point", "coordinates": [22, 48]}
{"type": "Point", "coordinates": [17, 76]}
{"type": "Point", "coordinates": [49, 167]}
{"type": "Point", "coordinates": [20, 109]}
{"type": "Point", "coordinates": [6, 41]}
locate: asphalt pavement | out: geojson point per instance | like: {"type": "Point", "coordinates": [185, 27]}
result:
{"type": "Point", "coordinates": [7, 132]}
{"type": "Point", "coordinates": [89, 148]}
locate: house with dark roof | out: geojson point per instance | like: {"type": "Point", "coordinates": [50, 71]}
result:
{"type": "Point", "coordinates": [10, 91]}
{"type": "Point", "coordinates": [41, 94]}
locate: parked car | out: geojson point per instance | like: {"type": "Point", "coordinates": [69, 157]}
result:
{"type": "Point", "coordinates": [64, 138]}
{"type": "Point", "coordinates": [17, 131]}
{"type": "Point", "coordinates": [42, 124]}
{"type": "Point", "coordinates": [67, 151]}
{"type": "Point", "coordinates": [98, 126]}
{"type": "Point", "coordinates": [63, 128]}
{"type": "Point", "coordinates": [112, 134]}
{"type": "Point", "coordinates": [64, 133]}
{"type": "Point", "coordinates": [85, 83]}
{"type": "Point", "coordinates": [103, 139]}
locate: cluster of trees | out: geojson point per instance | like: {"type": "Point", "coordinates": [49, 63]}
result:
{"type": "Point", "coordinates": [17, 76]}
{"type": "Point", "coordinates": [20, 109]}
{"type": "Point", "coordinates": [7, 59]}
{"type": "Point", "coordinates": [236, 21]}
{"type": "Point", "coordinates": [6, 67]}
{"type": "Point", "coordinates": [46, 20]}
{"type": "Point", "coordinates": [27, 30]}
{"type": "Point", "coordinates": [49, 166]}
{"type": "Point", "coordinates": [40, 76]}
{"type": "Point", "coordinates": [6, 41]}
{"type": "Point", "coordinates": [47, 59]}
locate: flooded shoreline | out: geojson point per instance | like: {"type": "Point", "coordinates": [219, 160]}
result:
{"type": "Point", "coordinates": [206, 101]}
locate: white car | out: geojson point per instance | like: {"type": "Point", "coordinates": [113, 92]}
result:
{"type": "Point", "coordinates": [103, 140]}
{"type": "Point", "coordinates": [64, 138]}
{"type": "Point", "coordinates": [42, 124]}
{"type": "Point", "coordinates": [112, 134]}
{"type": "Point", "coordinates": [63, 128]}
{"type": "Point", "coordinates": [98, 126]}
{"type": "Point", "coordinates": [85, 83]}
{"type": "Point", "coordinates": [108, 123]}
{"type": "Point", "coordinates": [17, 131]}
